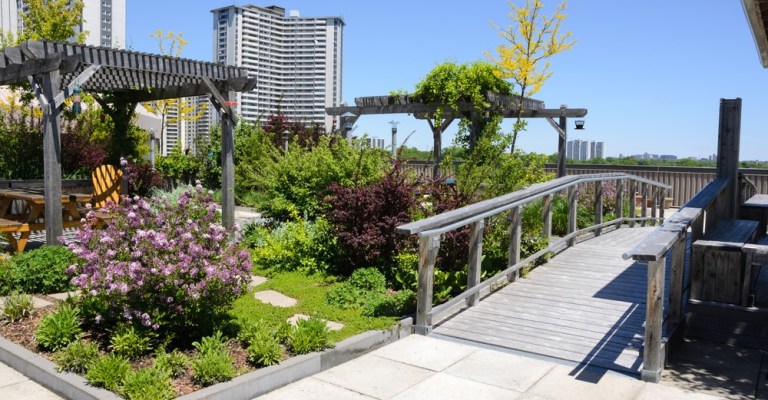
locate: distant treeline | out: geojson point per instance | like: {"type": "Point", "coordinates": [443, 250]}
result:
{"type": "Point", "coordinates": [458, 153]}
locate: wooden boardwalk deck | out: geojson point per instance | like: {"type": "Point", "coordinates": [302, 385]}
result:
{"type": "Point", "coordinates": [586, 305]}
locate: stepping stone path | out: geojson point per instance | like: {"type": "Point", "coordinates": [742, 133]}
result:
{"type": "Point", "coordinates": [256, 281]}
{"type": "Point", "coordinates": [274, 298]}
{"type": "Point", "coordinates": [334, 326]}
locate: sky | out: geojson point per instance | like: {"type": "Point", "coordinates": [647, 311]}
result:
{"type": "Point", "coordinates": [650, 73]}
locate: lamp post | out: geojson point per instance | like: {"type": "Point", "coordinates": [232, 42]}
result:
{"type": "Point", "coordinates": [152, 148]}
{"type": "Point", "coordinates": [286, 138]}
{"type": "Point", "coordinates": [76, 107]}
{"type": "Point", "coordinates": [348, 125]}
{"type": "Point", "coordinates": [394, 123]}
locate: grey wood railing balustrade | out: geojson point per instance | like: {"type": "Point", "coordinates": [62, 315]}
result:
{"type": "Point", "coordinates": [669, 240]}
{"type": "Point", "coordinates": [430, 230]}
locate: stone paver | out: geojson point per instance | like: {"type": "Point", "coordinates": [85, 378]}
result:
{"type": "Point", "coordinates": [274, 298]}
{"type": "Point", "coordinates": [562, 382]}
{"type": "Point", "coordinates": [429, 354]}
{"type": "Point", "coordinates": [332, 325]}
{"type": "Point", "coordinates": [312, 388]}
{"type": "Point", "coordinates": [14, 385]}
{"type": "Point", "coordinates": [257, 280]}
{"type": "Point", "coordinates": [501, 369]}
{"type": "Point", "coordinates": [374, 376]}
{"type": "Point", "coordinates": [446, 387]}
{"type": "Point", "coordinates": [63, 296]}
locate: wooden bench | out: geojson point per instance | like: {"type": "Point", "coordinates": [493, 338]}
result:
{"type": "Point", "coordinates": [720, 270]}
{"type": "Point", "coordinates": [9, 227]}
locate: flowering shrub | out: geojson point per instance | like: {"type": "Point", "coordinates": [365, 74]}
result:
{"type": "Point", "coordinates": [165, 265]}
{"type": "Point", "coordinates": [140, 177]}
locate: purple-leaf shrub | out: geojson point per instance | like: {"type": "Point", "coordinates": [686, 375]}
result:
{"type": "Point", "coordinates": [364, 219]}
{"type": "Point", "coordinates": [158, 264]}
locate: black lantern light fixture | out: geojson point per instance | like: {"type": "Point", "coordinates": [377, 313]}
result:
{"type": "Point", "coordinates": [579, 124]}
{"type": "Point", "coordinates": [76, 107]}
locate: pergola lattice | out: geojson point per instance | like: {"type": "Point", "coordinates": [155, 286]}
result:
{"type": "Point", "coordinates": [123, 79]}
{"type": "Point", "coordinates": [506, 105]}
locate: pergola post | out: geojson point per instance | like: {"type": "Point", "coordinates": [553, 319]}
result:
{"type": "Point", "coordinates": [49, 85]}
{"type": "Point", "coordinates": [728, 137]}
{"type": "Point", "coordinates": [228, 121]}
{"type": "Point", "coordinates": [437, 145]}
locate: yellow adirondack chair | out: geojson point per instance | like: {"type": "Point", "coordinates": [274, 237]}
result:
{"type": "Point", "coordinates": [107, 185]}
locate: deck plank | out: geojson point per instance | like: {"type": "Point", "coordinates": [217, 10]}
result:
{"type": "Point", "coordinates": [585, 305]}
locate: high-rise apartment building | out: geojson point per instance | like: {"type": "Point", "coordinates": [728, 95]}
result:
{"type": "Point", "coordinates": [104, 20]}
{"type": "Point", "coordinates": [583, 150]}
{"type": "Point", "coordinates": [297, 61]}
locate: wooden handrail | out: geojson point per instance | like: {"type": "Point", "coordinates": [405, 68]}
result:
{"type": "Point", "coordinates": [431, 229]}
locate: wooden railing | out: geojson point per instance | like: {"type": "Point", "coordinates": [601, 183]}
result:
{"type": "Point", "coordinates": [431, 229]}
{"type": "Point", "coordinates": [669, 240]}
{"type": "Point", "coordinates": [685, 181]}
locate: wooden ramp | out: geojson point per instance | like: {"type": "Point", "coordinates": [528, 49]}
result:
{"type": "Point", "coordinates": [586, 305]}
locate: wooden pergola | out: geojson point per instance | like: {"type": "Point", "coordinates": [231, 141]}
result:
{"type": "Point", "coordinates": [505, 105]}
{"type": "Point", "coordinates": [120, 80]}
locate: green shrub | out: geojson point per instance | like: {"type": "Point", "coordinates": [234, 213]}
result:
{"type": "Point", "coordinates": [77, 357]}
{"type": "Point", "coordinates": [264, 351]}
{"type": "Point", "coordinates": [310, 335]}
{"type": "Point", "coordinates": [345, 296]}
{"type": "Point", "coordinates": [108, 372]}
{"type": "Point", "coordinates": [292, 184]}
{"type": "Point", "coordinates": [58, 329]}
{"type": "Point", "coordinates": [262, 343]}
{"type": "Point", "coordinates": [307, 246]}
{"type": "Point", "coordinates": [368, 280]}
{"type": "Point", "coordinates": [7, 284]}
{"type": "Point", "coordinates": [284, 331]}
{"type": "Point", "coordinates": [42, 270]}
{"type": "Point", "coordinates": [148, 384]}
{"type": "Point", "coordinates": [391, 305]}
{"type": "Point", "coordinates": [126, 341]}
{"type": "Point", "coordinates": [17, 307]}
{"type": "Point", "coordinates": [214, 364]}
{"type": "Point", "coordinates": [175, 362]}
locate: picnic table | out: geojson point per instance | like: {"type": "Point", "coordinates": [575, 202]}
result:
{"type": "Point", "coordinates": [22, 211]}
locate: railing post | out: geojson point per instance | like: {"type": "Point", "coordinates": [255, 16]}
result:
{"type": "Point", "coordinates": [475, 257]}
{"type": "Point", "coordinates": [663, 203]}
{"type": "Point", "coordinates": [652, 354]}
{"type": "Point", "coordinates": [546, 217]}
{"type": "Point", "coordinates": [619, 201]}
{"type": "Point", "coordinates": [428, 248]}
{"type": "Point", "coordinates": [676, 283]}
{"type": "Point", "coordinates": [632, 202]}
{"type": "Point", "coordinates": [654, 204]}
{"type": "Point", "coordinates": [644, 205]}
{"type": "Point", "coordinates": [515, 222]}
{"type": "Point", "coordinates": [598, 206]}
{"type": "Point", "coordinates": [573, 193]}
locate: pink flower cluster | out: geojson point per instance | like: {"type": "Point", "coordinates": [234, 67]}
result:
{"type": "Point", "coordinates": [160, 262]}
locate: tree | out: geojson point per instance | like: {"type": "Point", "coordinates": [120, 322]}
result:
{"type": "Point", "coordinates": [171, 44]}
{"type": "Point", "coordinates": [532, 39]}
{"type": "Point", "coordinates": [55, 20]}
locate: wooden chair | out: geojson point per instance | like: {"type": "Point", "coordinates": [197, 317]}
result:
{"type": "Point", "coordinates": [107, 185]}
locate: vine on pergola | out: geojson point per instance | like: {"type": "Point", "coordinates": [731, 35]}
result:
{"type": "Point", "coordinates": [449, 83]}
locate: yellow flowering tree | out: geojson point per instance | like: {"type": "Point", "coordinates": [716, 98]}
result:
{"type": "Point", "coordinates": [530, 41]}
{"type": "Point", "coordinates": [171, 44]}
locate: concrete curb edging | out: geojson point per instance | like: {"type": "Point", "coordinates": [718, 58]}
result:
{"type": "Point", "coordinates": [243, 387]}
{"type": "Point", "coordinates": [42, 371]}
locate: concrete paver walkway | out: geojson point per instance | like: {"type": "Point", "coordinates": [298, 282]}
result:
{"type": "Point", "coordinates": [419, 367]}
{"type": "Point", "coordinates": [14, 385]}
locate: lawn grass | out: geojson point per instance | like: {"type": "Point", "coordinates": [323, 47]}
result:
{"type": "Point", "coordinates": [310, 292]}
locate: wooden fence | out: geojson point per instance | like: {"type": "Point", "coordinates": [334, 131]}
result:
{"type": "Point", "coordinates": [685, 181]}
